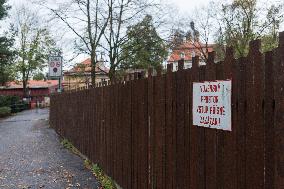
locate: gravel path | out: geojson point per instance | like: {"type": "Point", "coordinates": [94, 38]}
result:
{"type": "Point", "coordinates": [31, 156]}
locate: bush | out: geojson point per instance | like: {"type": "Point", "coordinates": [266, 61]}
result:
{"type": "Point", "coordinates": [5, 111]}
{"type": "Point", "coordinates": [20, 106]}
{"type": "Point", "coordinates": [8, 100]}
{"type": "Point", "coordinates": [14, 103]}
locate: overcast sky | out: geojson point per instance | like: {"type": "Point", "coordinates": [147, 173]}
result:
{"type": "Point", "coordinates": [183, 7]}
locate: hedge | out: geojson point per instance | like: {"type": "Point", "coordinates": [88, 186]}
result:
{"type": "Point", "coordinates": [14, 103]}
{"type": "Point", "coordinates": [5, 111]}
{"type": "Point", "coordinates": [8, 100]}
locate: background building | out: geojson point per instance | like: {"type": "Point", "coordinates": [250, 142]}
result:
{"type": "Point", "coordinates": [37, 90]}
{"type": "Point", "coordinates": [187, 50]}
{"type": "Point", "coordinates": [80, 75]}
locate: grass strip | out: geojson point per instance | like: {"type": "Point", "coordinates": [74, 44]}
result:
{"type": "Point", "coordinates": [105, 181]}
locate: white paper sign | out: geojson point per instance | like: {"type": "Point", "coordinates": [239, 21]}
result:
{"type": "Point", "coordinates": [212, 104]}
{"type": "Point", "coordinates": [55, 66]}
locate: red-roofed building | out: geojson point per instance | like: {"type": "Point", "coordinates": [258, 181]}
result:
{"type": "Point", "coordinates": [80, 75]}
{"type": "Point", "coordinates": [37, 90]}
{"type": "Point", "coordinates": [187, 51]}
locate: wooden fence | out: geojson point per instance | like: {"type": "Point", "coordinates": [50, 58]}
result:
{"type": "Point", "coordinates": [140, 130]}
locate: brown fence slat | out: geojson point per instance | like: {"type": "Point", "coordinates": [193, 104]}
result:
{"type": "Point", "coordinates": [170, 130]}
{"type": "Point", "coordinates": [180, 131]}
{"type": "Point", "coordinates": [195, 178]}
{"type": "Point", "coordinates": [187, 124]}
{"type": "Point", "coordinates": [228, 139]}
{"type": "Point", "coordinates": [150, 87]}
{"type": "Point", "coordinates": [210, 134]}
{"type": "Point", "coordinates": [279, 112]}
{"type": "Point", "coordinates": [159, 131]}
{"type": "Point", "coordinates": [269, 121]}
{"type": "Point", "coordinates": [201, 144]}
{"type": "Point", "coordinates": [255, 128]}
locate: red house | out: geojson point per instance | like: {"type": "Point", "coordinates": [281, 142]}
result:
{"type": "Point", "coordinates": [37, 89]}
{"type": "Point", "coordinates": [187, 50]}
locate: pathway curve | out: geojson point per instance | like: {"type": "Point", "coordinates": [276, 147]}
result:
{"type": "Point", "coordinates": [31, 156]}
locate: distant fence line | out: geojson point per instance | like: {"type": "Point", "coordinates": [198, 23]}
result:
{"type": "Point", "coordinates": [140, 130]}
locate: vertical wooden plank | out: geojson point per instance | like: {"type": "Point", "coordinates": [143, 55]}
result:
{"type": "Point", "coordinates": [269, 121]}
{"type": "Point", "coordinates": [92, 117]}
{"type": "Point", "coordinates": [196, 180]}
{"type": "Point", "coordinates": [127, 162]}
{"type": "Point", "coordinates": [108, 120]}
{"type": "Point", "coordinates": [227, 141]}
{"type": "Point", "coordinates": [141, 133]}
{"type": "Point", "coordinates": [187, 124]}
{"type": "Point", "coordinates": [115, 130]}
{"type": "Point", "coordinates": [210, 134]}
{"type": "Point", "coordinates": [159, 130]}
{"type": "Point", "coordinates": [118, 133]}
{"type": "Point", "coordinates": [95, 126]}
{"type": "Point", "coordinates": [201, 144]}
{"type": "Point", "coordinates": [170, 130]}
{"type": "Point", "coordinates": [220, 167]}
{"type": "Point", "coordinates": [151, 145]}
{"type": "Point", "coordinates": [123, 142]}
{"type": "Point", "coordinates": [279, 114]}
{"type": "Point", "coordinates": [135, 127]}
{"type": "Point", "coordinates": [78, 135]}
{"type": "Point", "coordinates": [255, 126]}
{"type": "Point", "coordinates": [85, 120]}
{"type": "Point", "coordinates": [145, 140]}
{"type": "Point", "coordinates": [88, 109]}
{"type": "Point", "coordinates": [242, 123]}
{"type": "Point", "coordinates": [180, 126]}
{"type": "Point", "coordinates": [101, 146]}
{"type": "Point", "coordinates": [135, 121]}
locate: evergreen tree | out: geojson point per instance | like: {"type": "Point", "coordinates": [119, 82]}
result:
{"type": "Point", "coordinates": [6, 53]}
{"type": "Point", "coordinates": [144, 48]}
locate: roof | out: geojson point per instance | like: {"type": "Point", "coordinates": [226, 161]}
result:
{"type": "Point", "coordinates": [85, 66]}
{"type": "Point", "coordinates": [32, 84]}
{"type": "Point", "coordinates": [189, 49]}
{"type": "Point", "coordinates": [193, 45]}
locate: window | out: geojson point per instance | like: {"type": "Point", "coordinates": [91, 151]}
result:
{"type": "Point", "coordinates": [182, 55]}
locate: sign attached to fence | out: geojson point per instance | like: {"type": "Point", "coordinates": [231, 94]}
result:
{"type": "Point", "coordinates": [55, 66]}
{"type": "Point", "coordinates": [212, 104]}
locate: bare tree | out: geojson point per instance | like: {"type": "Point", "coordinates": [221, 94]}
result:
{"type": "Point", "coordinates": [88, 20]}
{"type": "Point", "coordinates": [123, 14]}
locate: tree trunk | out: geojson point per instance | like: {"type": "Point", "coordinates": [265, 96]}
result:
{"type": "Point", "coordinates": [25, 91]}
{"type": "Point", "coordinates": [111, 73]}
{"type": "Point", "coordinates": [93, 70]}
